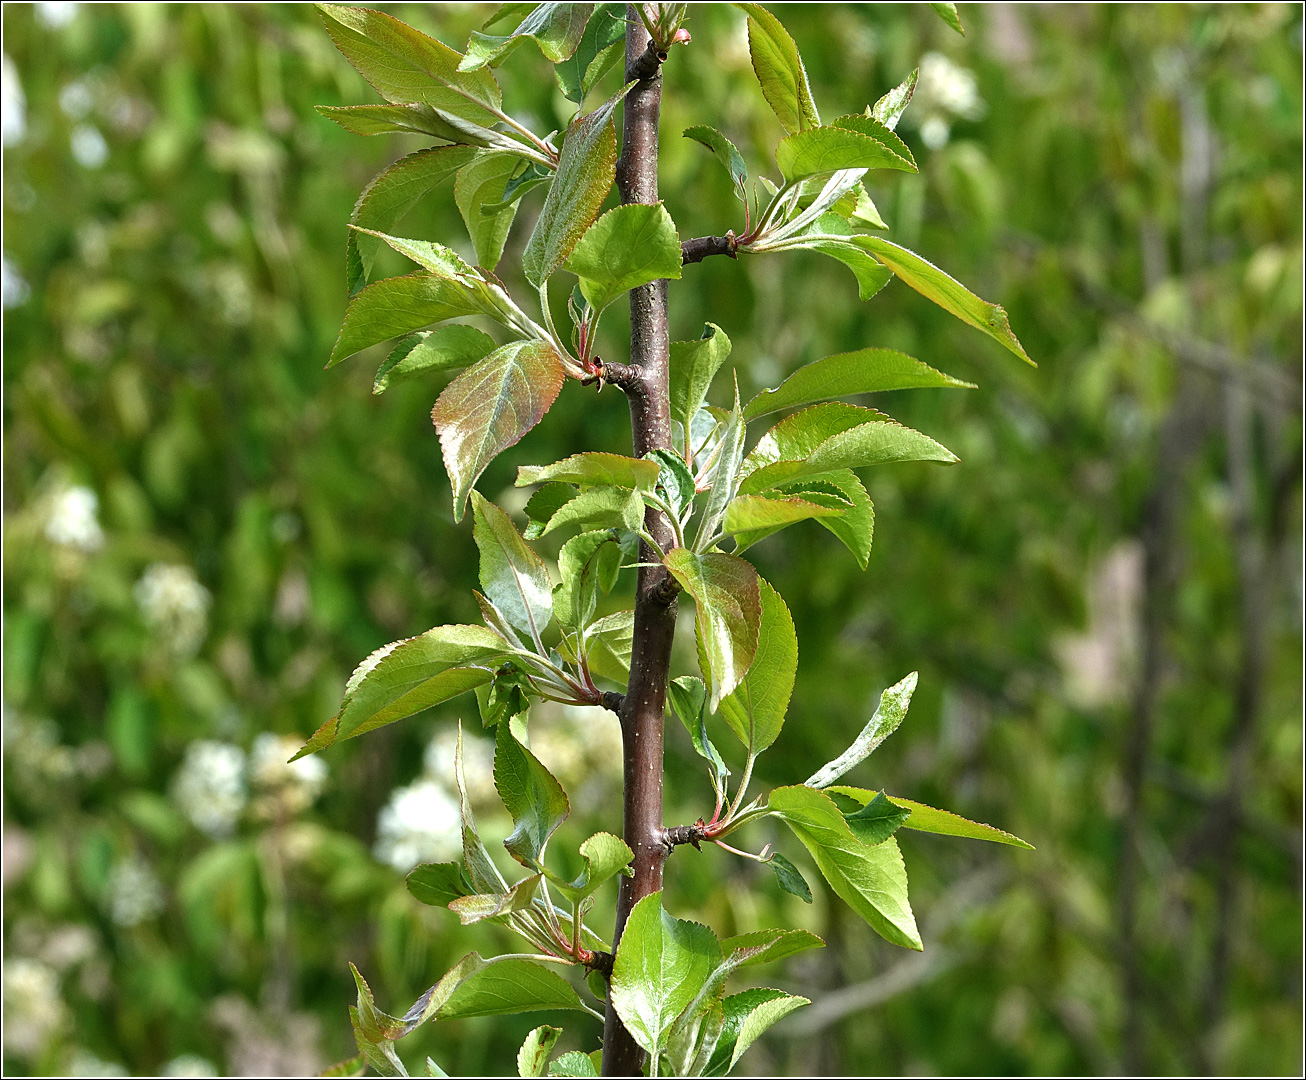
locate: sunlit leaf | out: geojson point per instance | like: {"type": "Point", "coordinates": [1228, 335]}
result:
{"type": "Point", "coordinates": [927, 819]}
{"type": "Point", "coordinates": [928, 280]}
{"type": "Point", "coordinates": [841, 489]}
{"type": "Point", "coordinates": [755, 709]}
{"type": "Point", "coordinates": [604, 856]}
{"type": "Point", "coordinates": [480, 184]}
{"type": "Point", "coordinates": [660, 966]}
{"type": "Point", "coordinates": [780, 70]}
{"type": "Point", "coordinates": [490, 406]}
{"type": "Point", "coordinates": [948, 13]}
{"type": "Point", "coordinates": [533, 1057]}
{"type": "Point", "coordinates": [768, 946]}
{"type": "Point", "coordinates": [593, 469]}
{"type": "Point", "coordinates": [865, 371]}
{"type": "Point", "coordinates": [599, 48]}
{"type": "Point", "coordinates": [573, 1063]}
{"type": "Point", "coordinates": [726, 153]}
{"type": "Point", "coordinates": [817, 151]}
{"type": "Point", "coordinates": [693, 366]}
{"type": "Point", "coordinates": [729, 608]}
{"type": "Point", "coordinates": [890, 108]}
{"type": "Point", "coordinates": [588, 564]}
{"type": "Point", "coordinates": [627, 247]}
{"type": "Point", "coordinates": [869, 879]}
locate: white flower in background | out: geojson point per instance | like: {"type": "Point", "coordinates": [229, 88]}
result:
{"type": "Point", "coordinates": [176, 605]}
{"type": "Point", "coordinates": [82, 1062]}
{"type": "Point", "coordinates": [90, 151]}
{"type": "Point", "coordinates": [73, 519]}
{"type": "Point", "coordinates": [190, 1065]}
{"type": "Point", "coordinates": [421, 823]}
{"type": "Point", "coordinates": [134, 893]}
{"type": "Point", "coordinates": [14, 289]}
{"type": "Point", "coordinates": [13, 105]}
{"type": "Point", "coordinates": [292, 785]}
{"type": "Point", "coordinates": [945, 92]}
{"type": "Point", "coordinates": [76, 100]}
{"type": "Point", "coordinates": [210, 786]}
{"type": "Point", "coordinates": [56, 16]}
{"type": "Point", "coordinates": [33, 1010]}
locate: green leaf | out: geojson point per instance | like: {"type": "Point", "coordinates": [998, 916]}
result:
{"type": "Point", "coordinates": [825, 438]}
{"type": "Point", "coordinates": [726, 153]}
{"type": "Point", "coordinates": [594, 470]}
{"type": "Point", "coordinates": [878, 820]}
{"type": "Point", "coordinates": [375, 1031]}
{"type": "Point", "coordinates": [948, 13]}
{"type": "Point", "coordinates": [780, 70]}
{"type": "Point", "coordinates": [660, 966]}
{"type": "Point", "coordinates": [759, 1018]}
{"type": "Point", "coordinates": [870, 880]}
{"type": "Point", "coordinates": [586, 168]}
{"type": "Point", "coordinates": [555, 28]}
{"type": "Point", "coordinates": [749, 517]}
{"type": "Point", "coordinates": [514, 578]}
{"type": "Point", "coordinates": [505, 697]}
{"type": "Point", "coordinates": [866, 371]}
{"type": "Point", "coordinates": [490, 406]}
{"type": "Point", "coordinates": [675, 481]}
{"type": "Point", "coordinates": [627, 247]}
{"type": "Point", "coordinates": [739, 1008]}
{"type": "Point", "coordinates": [541, 507]}
{"type": "Point", "coordinates": [404, 65]}
{"type": "Point", "coordinates": [532, 796]}
{"type": "Point", "coordinates": [870, 273]}
{"type": "Point", "coordinates": [598, 49]}
{"type": "Point", "coordinates": [407, 120]}
{"type": "Point", "coordinates": [533, 1057]}
{"type": "Point", "coordinates": [432, 1069]}
{"type": "Point", "coordinates": [607, 645]}
{"type": "Point", "coordinates": [480, 184]}
{"type": "Point", "coordinates": [871, 126]}
{"type": "Point", "coordinates": [928, 819]}
{"type": "Point", "coordinates": [406, 677]}
{"type": "Point", "coordinates": [605, 856]}
{"type": "Point", "coordinates": [891, 107]}
{"type": "Point", "coordinates": [790, 878]}
{"type": "Point", "coordinates": [476, 987]}
{"type": "Point", "coordinates": [694, 364]}
{"type": "Point", "coordinates": [831, 149]}
{"type": "Point", "coordinates": [573, 1063]}
{"type": "Point", "coordinates": [437, 884]}
{"type": "Point", "coordinates": [599, 508]}
{"type": "Point", "coordinates": [688, 698]}
{"type": "Point", "coordinates": [768, 946]}
{"type": "Point", "coordinates": [723, 480]}
{"type": "Point", "coordinates": [755, 710]}
{"type": "Point", "coordinates": [449, 348]}
{"type": "Point", "coordinates": [891, 712]}
{"type": "Point", "coordinates": [855, 527]}
{"type": "Point", "coordinates": [931, 282]}
{"type": "Point", "coordinates": [588, 564]}
{"type": "Point", "coordinates": [729, 608]}
{"type": "Point", "coordinates": [396, 306]}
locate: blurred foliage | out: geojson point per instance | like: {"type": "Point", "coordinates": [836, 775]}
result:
{"type": "Point", "coordinates": [204, 532]}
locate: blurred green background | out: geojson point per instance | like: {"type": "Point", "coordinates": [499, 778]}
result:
{"type": "Point", "coordinates": [205, 532]}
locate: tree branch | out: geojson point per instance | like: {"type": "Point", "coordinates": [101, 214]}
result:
{"type": "Point", "coordinates": [698, 249]}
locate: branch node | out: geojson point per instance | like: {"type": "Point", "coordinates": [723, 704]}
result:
{"type": "Point", "coordinates": [601, 962]}
{"type": "Point", "coordinates": [648, 64]}
{"type": "Point", "coordinates": [684, 834]}
{"type": "Point", "coordinates": [629, 377]}
{"type": "Point", "coordinates": [699, 248]}
{"type": "Point", "coordinates": [612, 701]}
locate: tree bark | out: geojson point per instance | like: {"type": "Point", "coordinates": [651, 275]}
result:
{"type": "Point", "coordinates": [642, 710]}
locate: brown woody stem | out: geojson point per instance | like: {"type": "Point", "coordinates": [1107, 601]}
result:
{"type": "Point", "coordinates": [645, 384]}
{"type": "Point", "coordinates": [699, 248]}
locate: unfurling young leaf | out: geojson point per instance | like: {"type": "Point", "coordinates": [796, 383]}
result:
{"type": "Point", "coordinates": [729, 607]}
{"type": "Point", "coordinates": [948, 13]}
{"type": "Point", "coordinates": [627, 247]}
{"type": "Point", "coordinates": [780, 70]}
{"type": "Point", "coordinates": [490, 406]}
{"type": "Point", "coordinates": [927, 819]}
{"type": "Point", "coordinates": [532, 796]}
{"type": "Point", "coordinates": [588, 564]}
{"type": "Point", "coordinates": [688, 699]}
{"type": "Point", "coordinates": [888, 715]}
{"type": "Point", "coordinates": [890, 108]}
{"type": "Point", "coordinates": [694, 364]}
{"type": "Point", "coordinates": [661, 964]}
{"type": "Point", "coordinates": [605, 855]}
